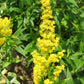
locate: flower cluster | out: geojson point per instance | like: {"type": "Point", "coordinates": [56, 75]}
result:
{"type": "Point", "coordinates": [47, 81]}
{"type": "Point", "coordinates": [4, 29]}
{"type": "Point", "coordinates": [44, 57]}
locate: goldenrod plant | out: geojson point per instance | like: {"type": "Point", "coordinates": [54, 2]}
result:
{"type": "Point", "coordinates": [45, 60]}
{"type": "Point", "coordinates": [7, 45]}
{"type": "Point", "coordinates": [4, 29]}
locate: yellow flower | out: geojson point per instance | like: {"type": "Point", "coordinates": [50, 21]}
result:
{"type": "Point", "coordinates": [56, 73]}
{"type": "Point", "coordinates": [60, 67]}
{"type": "Point", "coordinates": [6, 32]}
{"type": "Point", "coordinates": [53, 58]}
{"type": "Point", "coordinates": [55, 78]}
{"type": "Point", "coordinates": [2, 40]}
{"type": "Point", "coordinates": [47, 81]}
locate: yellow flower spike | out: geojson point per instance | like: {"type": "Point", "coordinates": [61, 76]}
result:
{"type": "Point", "coordinates": [46, 45]}
{"type": "Point", "coordinates": [4, 29]}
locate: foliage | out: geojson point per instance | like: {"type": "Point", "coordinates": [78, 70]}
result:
{"type": "Point", "coordinates": [25, 17]}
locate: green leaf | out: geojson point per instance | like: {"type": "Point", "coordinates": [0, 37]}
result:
{"type": "Point", "coordinates": [3, 6]}
{"type": "Point", "coordinates": [29, 62]}
{"type": "Point", "coordinates": [81, 46]}
{"type": "Point", "coordinates": [58, 23]}
{"type": "Point", "coordinates": [19, 31]}
{"type": "Point", "coordinates": [20, 50]}
{"type": "Point", "coordinates": [16, 82]}
{"type": "Point", "coordinates": [15, 9]}
{"type": "Point", "coordinates": [70, 81]}
{"type": "Point", "coordinates": [72, 1]}
{"type": "Point", "coordinates": [6, 63]}
{"type": "Point", "coordinates": [76, 54]}
{"type": "Point", "coordinates": [78, 62]}
{"type": "Point", "coordinates": [19, 22]}
{"type": "Point", "coordinates": [64, 81]}
{"type": "Point", "coordinates": [81, 79]}
{"type": "Point", "coordinates": [8, 81]}
{"type": "Point", "coordinates": [24, 37]}
{"type": "Point", "coordinates": [82, 15]}
{"type": "Point", "coordinates": [69, 61]}
{"type": "Point", "coordinates": [28, 48]}
{"type": "Point", "coordinates": [15, 60]}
